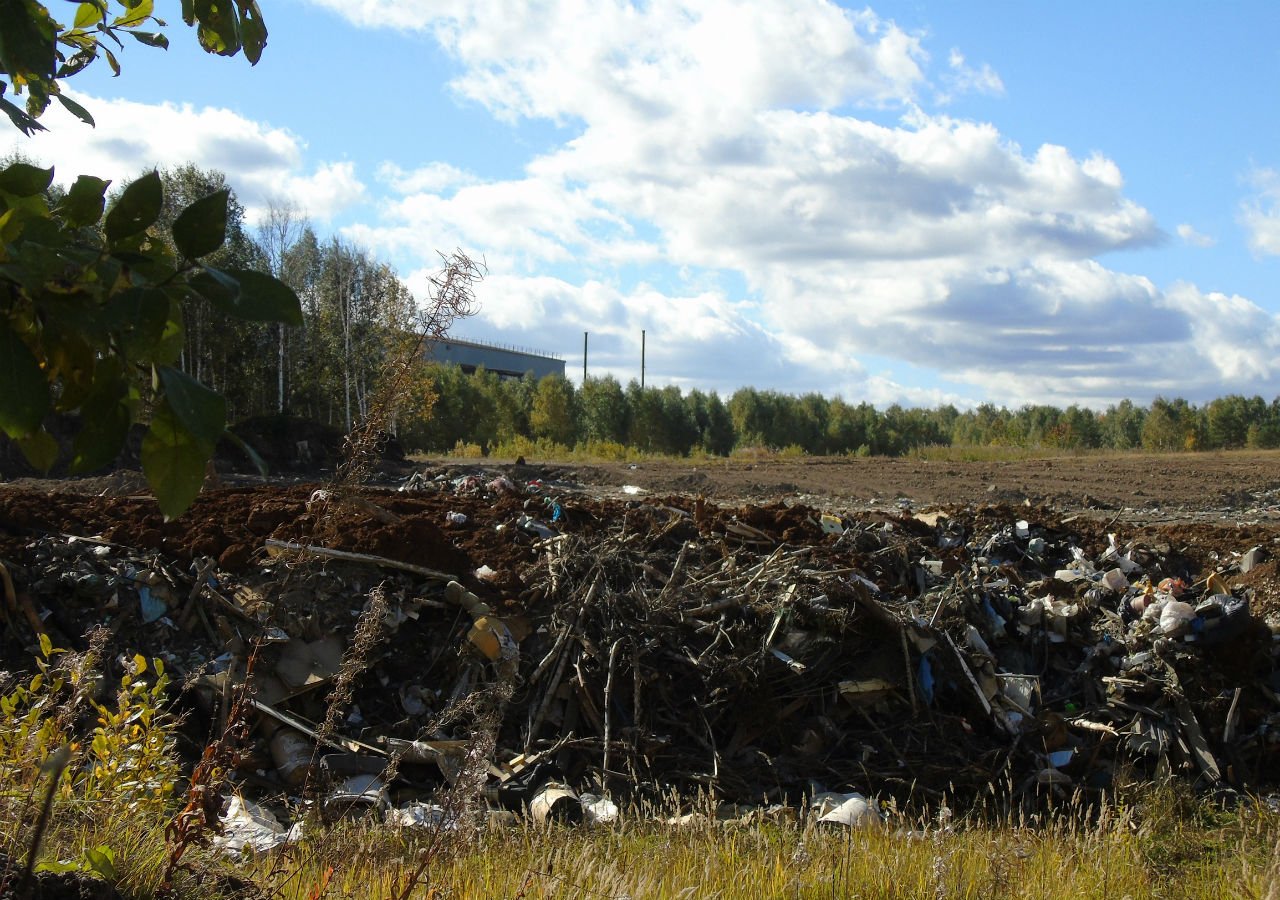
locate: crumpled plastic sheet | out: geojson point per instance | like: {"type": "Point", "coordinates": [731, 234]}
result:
{"type": "Point", "coordinates": [849, 810]}
{"type": "Point", "coordinates": [249, 829]}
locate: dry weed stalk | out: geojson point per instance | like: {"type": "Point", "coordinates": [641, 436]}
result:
{"type": "Point", "coordinates": [463, 799]}
{"type": "Point", "coordinates": [450, 297]}
{"type": "Point", "coordinates": [206, 790]}
{"type": "Point", "coordinates": [367, 636]}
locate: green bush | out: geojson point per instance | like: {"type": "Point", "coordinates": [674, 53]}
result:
{"type": "Point", "coordinates": [126, 764]}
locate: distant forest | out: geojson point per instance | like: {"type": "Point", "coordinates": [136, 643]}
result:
{"type": "Point", "coordinates": [603, 416]}
{"type": "Point", "coordinates": [357, 312]}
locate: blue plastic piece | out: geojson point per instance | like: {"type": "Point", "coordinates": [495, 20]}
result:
{"type": "Point", "coordinates": [925, 677]}
{"type": "Point", "coordinates": [153, 608]}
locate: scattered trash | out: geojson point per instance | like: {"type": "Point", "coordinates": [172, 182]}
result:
{"type": "Point", "coordinates": [248, 829]}
{"type": "Point", "coordinates": [419, 815]}
{"type": "Point", "coordinates": [638, 646]}
{"type": "Point", "coordinates": [846, 810]}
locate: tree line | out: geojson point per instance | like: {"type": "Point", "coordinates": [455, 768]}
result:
{"type": "Point", "coordinates": [486, 411]}
{"type": "Point", "coordinates": [356, 311]}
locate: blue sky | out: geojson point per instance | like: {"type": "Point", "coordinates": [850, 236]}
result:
{"type": "Point", "coordinates": [909, 202]}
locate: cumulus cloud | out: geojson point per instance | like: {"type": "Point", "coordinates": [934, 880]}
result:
{"type": "Point", "coordinates": [1190, 236]}
{"type": "Point", "coordinates": [1260, 214]}
{"type": "Point", "coordinates": [261, 162]}
{"type": "Point", "coordinates": [726, 187]}
{"type": "Point", "coordinates": [593, 61]}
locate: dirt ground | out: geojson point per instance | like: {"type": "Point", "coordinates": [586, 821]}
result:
{"type": "Point", "coordinates": [1137, 487]}
{"type": "Point", "coordinates": [1212, 505]}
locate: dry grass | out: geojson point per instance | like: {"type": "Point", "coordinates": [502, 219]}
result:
{"type": "Point", "coordinates": [1152, 842]}
{"type": "Point", "coordinates": [1117, 858]}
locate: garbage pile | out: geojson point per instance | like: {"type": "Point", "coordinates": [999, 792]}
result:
{"type": "Point", "coordinates": [560, 654]}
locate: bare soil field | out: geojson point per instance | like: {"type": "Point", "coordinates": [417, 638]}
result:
{"type": "Point", "coordinates": [1134, 487]}
{"type": "Point", "coordinates": [1243, 485]}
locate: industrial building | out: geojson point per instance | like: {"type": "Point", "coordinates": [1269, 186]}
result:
{"type": "Point", "coordinates": [506, 360]}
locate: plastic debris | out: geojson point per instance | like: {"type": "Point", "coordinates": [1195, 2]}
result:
{"type": "Point", "coordinates": [846, 810]}
{"type": "Point", "coordinates": [248, 829]}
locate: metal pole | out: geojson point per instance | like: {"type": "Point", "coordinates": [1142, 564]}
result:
{"type": "Point", "coordinates": [584, 356]}
{"type": "Point", "coordinates": [641, 359]}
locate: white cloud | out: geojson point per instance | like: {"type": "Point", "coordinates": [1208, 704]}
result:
{"type": "Point", "coordinates": [1236, 342]}
{"type": "Point", "coordinates": [936, 241]}
{"type": "Point", "coordinates": [1260, 214]}
{"type": "Point", "coordinates": [964, 79]}
{"type": "Point", "coordinates": [261, 162]}
{"type": "Point", "coordinates": [331, 188]}
{"type": "Point", "coordinates": [434, 177]}
{"type": "Point", "coordinates": [1190, 236]}
{"type": "Point", "coordinates": [593, 61]}
{"type": "Point", "coordinates": [698, 339]}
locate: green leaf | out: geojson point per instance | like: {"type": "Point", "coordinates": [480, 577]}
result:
{"type": "Point", "coordinates": [24, 392]}
{"type": "Point", "coordinates": [84, 203]}
{"type": "Point", "coordinates": [112, 61]}
{"type": "Point", "coordinates": [265, 298]}
{"type": "Point", "coordinates": [201, 411]}
{"type": "Point", "coordinates": [78, 61]}
{"type": "Point", "coordinates": [25, 216]}
{"type": "Point", "coordinates": [104, 422]}
{"type": "Point", "coordinates": [217, 287]}
{"type": "Point", "coordinates": [46, 645]}
{"type": "Point", "coordinates": [253, 31]}
{"type": "Point", "coordinates": [201, 228]}
{"type": "Point", "coordinates": [137, 209]}
{"type": "Point", "coordinates": [102, 861]}
{"type": "Point", "coordinates": [88, 15]}
{"type": "Point", "coordinates": [169, 347]}
{"type": "Point", "coordinates": [173, 459]}
{"type": "Point", "coordinates": [18, 116]}
{"type": "Point", "coordinates": [139, 316]}
{"type": "Point", "coordinates": [27, 40]}
{"type": "Point", "coordinates": [69, 358]}
{"type": "Point", "coordinates": [151, 39]}
{"type": "Point", "coordinates": [38, 97]}
{"type": "Point", "coordinates": [219, 29]}
{"type": "Point", "coordinates": [76, 110]}
{"type": "Point", "coordinates": [25, 180]}
{"type": "Point", "coordinates": [136, 15]}
{"type": "Point", "coordinates": [40, 449]}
